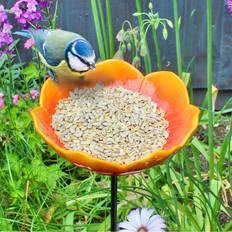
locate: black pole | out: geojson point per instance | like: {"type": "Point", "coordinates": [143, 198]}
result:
{"type": "Point", "coordinates": [113, 203]}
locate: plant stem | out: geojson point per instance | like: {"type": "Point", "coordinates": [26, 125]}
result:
{"type": "Point", "coordinates": [98, 30]}
{"type": "Point", "coordinates": [157, 50]}
{"type": "Point", "coordinates": [177, 35]}
{"type": "Point", "coordinates": [53, 22]}
{"type": "Point", "coordinates": [103, 27]}
{"type": "Point", "coordinates": [147, 59]}
{"type": "Point", "coordinates": [209, 88]}
{"type": "Point", "coordinates": [110, 29]}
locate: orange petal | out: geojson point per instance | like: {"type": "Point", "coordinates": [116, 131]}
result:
{"type": "Point", "coordinates": [167, 90]}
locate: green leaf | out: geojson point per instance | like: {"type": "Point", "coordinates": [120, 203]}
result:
{"type": "Point", "coordinates": [201, 147]}
{"type": "Point", "coordinates": [136, 14]}
{"type": "Point", "coordinates": [225, 148]}
{"type": "Point", "coordinates": [186, 78]}
{"type": "Point", "coordinates": [69, 222]}
{"type": "Point", "coordinates": [192, 13]}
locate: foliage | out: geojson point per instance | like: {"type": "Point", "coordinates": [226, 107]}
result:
{"type": "Point", "coordinates": [42, 192]}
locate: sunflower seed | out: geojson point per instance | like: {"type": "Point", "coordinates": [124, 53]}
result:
{"type": "Point", "coordinates": [113, 124]}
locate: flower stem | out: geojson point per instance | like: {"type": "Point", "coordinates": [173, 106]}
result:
{"type": "Point", "coordinates": [157, 50]}
{"type": "Point", "coordinates": [147, 59]}
{"type": "Point", "coordinates": [110, 29]}
{"type": "Point", "coordinates": [177, 35]}
{"type": "Point", "coordinates": [209, 88]}
{"type": "Point", "coordinates": [53, 21]}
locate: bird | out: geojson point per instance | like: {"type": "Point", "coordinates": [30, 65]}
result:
{"type": "Point", "coordinates": [67, 54]}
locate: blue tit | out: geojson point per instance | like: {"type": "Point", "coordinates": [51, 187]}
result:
{"type": "Point", "coordinates": [67, 55]}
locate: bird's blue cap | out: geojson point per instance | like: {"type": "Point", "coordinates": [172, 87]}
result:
{"type": "Point", "coordinates": [83, 48]}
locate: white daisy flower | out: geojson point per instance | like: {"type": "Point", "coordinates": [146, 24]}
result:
{"type": "Point", "coordinates": [141, 220]}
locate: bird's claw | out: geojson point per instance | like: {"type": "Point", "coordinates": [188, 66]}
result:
{"type": "Point", "coordinates": [53, 76]}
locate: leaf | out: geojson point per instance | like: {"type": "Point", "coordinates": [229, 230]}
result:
{"type": "Point", "coordinates": [214, 93]}
{"type": "Point", "coordinates": [169, 22]}
{"type": "Point", "coordinates": [197, 204]}
{"type": "Point", "coordinates": [136, 14]}
{"type": "Point", "coordinates": [3, 59]}
{"type": "Point", "coordinates": [201, 147]}
{"type": "Point", "coordinates": [68, 222]}
{"type": "Point", "coordinates": [49, 214]}
{"type": "Point", "coordinates": [165, 33]}
{"type": "Point", "coordinates": [192, 13]}
{"type": "Point", "coordinates": [225, 148]}
{"type": "Point", "coordinates": [87, 198]}
{"type": "Point", "coordinates": [186, 78]}
{"type": "Point", "coordinates": [13, 44]}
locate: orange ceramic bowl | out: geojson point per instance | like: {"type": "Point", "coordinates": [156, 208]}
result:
{"type": "Point", "coordinates": [164, 88]}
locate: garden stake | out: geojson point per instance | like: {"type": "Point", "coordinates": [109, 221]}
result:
{"type": "Point", "coordinates": [113, 203]}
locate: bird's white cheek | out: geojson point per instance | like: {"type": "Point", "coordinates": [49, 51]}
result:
{"type": "Point", "coordinates": [76, 64]}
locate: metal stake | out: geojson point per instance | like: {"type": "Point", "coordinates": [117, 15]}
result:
{"type": "Point", "coordinates": [113, 203]}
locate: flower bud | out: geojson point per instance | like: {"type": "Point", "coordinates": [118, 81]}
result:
{"type": "Point", "coordinates": [150, 6]}
{"type": "Point", "coordinates": [123, 47]}
{"type": "Point", "coordinates": [136, 62]}
{"type": "Point", "coordinates": [129, 46]}
{"type": "Point", "coordinates": [118, 55]}
{"type": "Point", "coordinates": [119, 36]}
{"type": "Point", "coordinates": [143, 50]}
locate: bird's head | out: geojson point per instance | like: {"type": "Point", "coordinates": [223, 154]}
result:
{"type": "Point", "coordinates": [80, 56]}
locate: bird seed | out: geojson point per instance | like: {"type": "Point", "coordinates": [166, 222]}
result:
{"type": "Point", "coordinates": [113, 124]}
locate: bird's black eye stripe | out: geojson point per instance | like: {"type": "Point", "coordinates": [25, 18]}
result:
{"type": "Point", "coordinates": [81, 59]}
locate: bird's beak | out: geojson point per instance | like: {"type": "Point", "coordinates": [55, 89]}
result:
{"type": "Point", "coordinates": [92, 67]}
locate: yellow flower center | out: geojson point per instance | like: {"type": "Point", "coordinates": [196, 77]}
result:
{"type": "Point", "coordinates": [142, 229]}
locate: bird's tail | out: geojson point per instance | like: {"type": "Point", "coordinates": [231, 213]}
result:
{"type": "Point", "coordinates": [24, 33]}
{"type": "Point", "coordinates": [39, 36]}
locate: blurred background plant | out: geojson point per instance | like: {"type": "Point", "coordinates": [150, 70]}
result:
{"type": "Point", "coordinates": [43, 192]}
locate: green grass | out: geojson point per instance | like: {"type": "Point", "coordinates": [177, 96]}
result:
{"type": "Point", "coordinates": [43, 192]}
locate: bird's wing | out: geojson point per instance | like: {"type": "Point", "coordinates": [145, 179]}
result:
{"type": "Point", "coordinates": [55, 45]}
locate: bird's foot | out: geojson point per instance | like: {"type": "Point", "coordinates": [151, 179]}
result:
{"type": "Point", "coordinates": [53, 76]}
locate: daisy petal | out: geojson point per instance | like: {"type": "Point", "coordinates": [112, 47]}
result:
{"type": "Point", "coordinates": [134, 218]}
{"type": "Point", "coordinates": [127, 225]}
{"type": "Point", "coordinates": [156, 229]}
{"type": "Point", "coordinates": [124, 230]}
{"type": "Point", "coordinates": [145, 215]}
{"type": "Point", "coordinates": [157, 222]}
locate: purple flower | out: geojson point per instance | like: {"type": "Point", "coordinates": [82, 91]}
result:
{"type": "Point", "coordinates": [142, 220]}
{"type": "Point", "coordinates": [5, 32]}
{"type": "Point", "coordinates": [34, 94]}
{"type": "Point", "coordinates": [44, 3]}
{"type": "Point", "coordinates": [27, 12]}
{"type": "Point", "coordinates": [229, 6]}
{"type": "Point", "coordinates": [15, 100]}
{"type": "Point", "coordinates": [3, 15]}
